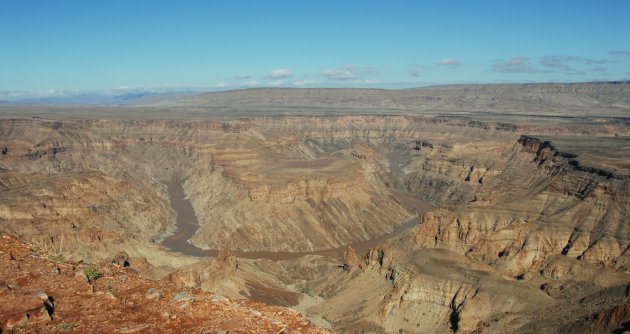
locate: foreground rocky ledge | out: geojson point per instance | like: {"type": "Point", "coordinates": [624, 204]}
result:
{"type": "Point", "coordinates": [44, 293]}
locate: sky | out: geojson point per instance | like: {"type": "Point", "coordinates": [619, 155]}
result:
{"type": "Point", "coordinates": [50, 48]}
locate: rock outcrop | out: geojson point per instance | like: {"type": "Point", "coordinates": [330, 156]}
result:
{"type": "Point", "coordinates": [524, 223]}
{"type": "Point", "coordinates": [36, 298]}
{"type": "Point", "coordinates": [536, 205]}
{"type": "Point", "coordinates": [351, 261]}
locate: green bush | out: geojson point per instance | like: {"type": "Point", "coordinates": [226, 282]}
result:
{"type": "Point", "coordinates": [92, 273]}
{"type": "Point", "coordinates": [57, 258]}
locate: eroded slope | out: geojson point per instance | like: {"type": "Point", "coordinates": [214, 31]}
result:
{"type": "Point", "coordinates": [521, 230]}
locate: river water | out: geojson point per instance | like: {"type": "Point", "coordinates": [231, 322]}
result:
{"type": "Point", "coordinates": [187, 225]}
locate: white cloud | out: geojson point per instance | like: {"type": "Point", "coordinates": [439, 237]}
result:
{"type": "Point", "coordinates": [516, 65]}
{"type": "Point", "coordinates": [368, 81]}
{"type": "Point", "coordinates": [562, 62]}
{"type": "Point", "coordinates": [249, 84]}
{"type": "Point", "coordinates": [349, 73]}
{"type": "Point", "coordinates": [301, 83]}
{"type": "Point", "coordinates": [275, 83]}
{"type": "Point", "coordinates": [340, 74]}
{"type": "Point", "coordinates": [280, 73]}
{"type": "Point", "coordinates": [242, 77]}
{"type": "Point", "coordinates": [354, 83]}
{"type": "Point", "coordinates": [448, 62]}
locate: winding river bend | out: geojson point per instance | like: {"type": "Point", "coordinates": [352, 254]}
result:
{"type": "Point", "coordinates": [187, 225]}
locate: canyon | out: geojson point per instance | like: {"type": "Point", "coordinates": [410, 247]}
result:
{"type": "Point", "coordinates": [464, 208]}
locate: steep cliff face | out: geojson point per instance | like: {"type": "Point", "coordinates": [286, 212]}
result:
{"type": "Point", "coordinates": [424, 291]}
{"type": "Point", "coordinates": [534, 214]}
{"type": "Point", "coordinates": [251, 186]}
{"type": "Point", "coordinates": [87, 214]}
{"type": "Point", "coordinates": [322, 182]}
{"type": "Point", "coordinates": [395, 289]}
{"type": "Point", "coordinates": [534, 205]}
{"type": "Point", "coordinates": [533, 231]}
{"type": "Point", "coordinates": [517, 233]}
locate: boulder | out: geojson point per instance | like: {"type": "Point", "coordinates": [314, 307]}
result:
{"type": "Point", "coordinates": [121, 259]}
{"type": "Point", "coordinates": [183, 297]}
{"type": "Point", "coordinates": [153, 294]}
{"type": "Point", "coordinates": [33, 307]}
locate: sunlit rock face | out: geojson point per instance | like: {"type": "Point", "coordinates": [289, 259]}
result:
{"type": "Point", "coordinates": [522, 226]}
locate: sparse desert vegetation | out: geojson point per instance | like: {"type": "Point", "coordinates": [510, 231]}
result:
{"type": "Point", "coordinates": [451, 220]}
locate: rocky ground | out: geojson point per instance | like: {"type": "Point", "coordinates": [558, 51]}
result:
{"type": "Point", "coordinates": [522, 193]}
{"type": "Point", "coordinates": [42, 293]}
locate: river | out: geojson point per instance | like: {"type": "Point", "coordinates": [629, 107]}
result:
{"type": "Point", "coordinates": [187, 225]}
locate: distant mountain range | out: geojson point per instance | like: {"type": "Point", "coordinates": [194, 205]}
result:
{"type": "Point", "coordinates": [611, 94]}
{"type": "Point", "coordinates": [96, 99]}
{"type": "Point", "coordinates": [612, 97]}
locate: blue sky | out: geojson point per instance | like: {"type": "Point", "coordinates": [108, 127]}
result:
{"type": "Point", "coordinates": [56, 47]}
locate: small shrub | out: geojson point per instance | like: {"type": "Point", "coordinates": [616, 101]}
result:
{"type": "Point", "coordinates": [51, 248]}
{"type": "Point", "coordinates": [57, 258]}
{"type": "Point", "coordinates": [92, 273]}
